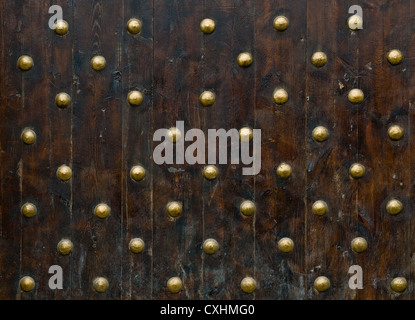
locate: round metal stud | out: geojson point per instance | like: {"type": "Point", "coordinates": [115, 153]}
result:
{"type": "Point", "coordinates": [61, 27]}
{"type": "Point", "coordinates": [394, 207]}
{"type": "Point", "coordinates": [135, 98]}
{"type": "Point", "coordinates": [359, 244]}
{"type": "Point", "coordinates": [100, 284]}
{"type": "Point", "coordinates": [174, 284]}
{"type": "Point", "coordinates": [395, 132]}
{"type": "Point", "coordinates": [281, 23]}
{"type": "Point", "coordinates": [356, 96]}
{"type": "Point", "coordinates": [355, 22]}
{"type": "Point", "coordinates": [210, 246]}
{"type": "Point", "coordinates": [25, 63]}
{"type": "Point", "coordinates": [247, 208]}
{"type": "Point", "coordinates": [357, 170]}
{"type": "Point", "coordinates": [248, 284]}
{"type": "Point", "coordinates": [207, 98]}
{"type": "Point", "coordinates": [210, 172]}
{"type": "Point", "coordinates": [395, 57]}
{"type": "Point", "coordinates": [322, 284]}
{"type": "Point", "coordinates": [102, 210]}
{"type": "Point", "coordinates": [136, 245]}
{"type": "Point", "coordinates": [62, 100]}
{"type": "Point", "coordinates": [174, 208]}
{"type": "Point", "coordinates": [398, 284]}
{"type": "Point", "coordinates": [280, 96]}
{"type": "Point", "coordinates": [173, 134]}
{"type": "Point", "coordinates": [65, 246]}
{"type": "Point", "coordinates": [286, 245]}
{"type": "Point", "coordinates": [137, 173]}
{"type": "Point", "coordinates": [207, 26]}
{"type": "Point", "coordinates": [134, 26]}
{"type": "Point", "coordinates": [284, 170]}
{"type": "Point", "coordinates": [320, 134]}
{"type": "Point", "coordinates": [98, 63]}
{"type": "Point", "coordinates": [244, 59]}
{"type": "Point", "coordinates": [28, 136]}
{"type": "Point", "coordinates": [319, 59]}
{"type": "Point", "coordinates": [64, 172]}
{"type": "Point", "coordinates": [29, 210]}
{"type": "Point", "coordinates": [245, 134]}
{"type": "Point", "coordinates": [27, 283]}
{"type": "Point", "coordinates": [319, 208]}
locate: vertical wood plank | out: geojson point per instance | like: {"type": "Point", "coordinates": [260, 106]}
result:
{"type": "Point", "coordinates": [97, 148]}
{"type": "Point", "coordinates": [281, 212]}
{"type": "Point", "coordinates": [11, 148]}
{"type": "Point", "coordinates": [328, 237]}
{"type": "Point", "coordinates": [137, 74]}
{"type": "Point", "coordinates": [60, 79]}
{"type": "Point", "coordinates": [176, 241]}
{"type": "Point", "coordinates": [387, 104]}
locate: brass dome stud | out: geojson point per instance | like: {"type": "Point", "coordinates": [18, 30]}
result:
{"type": "Point", "coordinates": [174, 284]}
{"type": "Point", "coordinates": [319, 208]}
{"type": "Point", "coordinates": [136, 245]}
{"type": "Point", "coordinates": [207, 98]}
{"type": "Point", "coordinates": [25, 63]}
{"type": "Point", "coordinates": [29, 210]}
{"type": "Point", "coordinates": [244, 59]}
{"type": "Point", "coordinates": [64, 172]}
{"type": "Point", "coordinates": [284, 170]}
{"type": "Point", "coordinates": [28, 136]}
{"type": "Point", "coordinates": [65, 247]}
{"type": "Point", "coordinates": [135, 98]}
{"type": "Point", "coordinates": [62, 99]}
{"type": "Point", "coordinates": [61, 27]}
{"type": "Point", "coordinates": [394, 206]}
{"type": "Point", "coordinates": [319, 59]}
{"type": "Point", "coordinates": [322, 284]}
{"type": "Point", "coordinates": [281, 23]}
{"type": "Point", "coordinates": [245, 134]}
{"type": "Point", "coordinates": [355, 22]}
{"type": "Point", "coordinates": [357, 170]}
{"type": "Point", "coordinates": [27, 283]}
{"type": "Point", "coordinates": [398, 284]}
{"type": "Point", "coordinates": [286, 245]}
{"type": "Point", "coordinates": [248, 284]}
{"type": "Point", "coordinates": [247, 208]}
{"type": "Point", "coordinates": [174, 208]}
{"type": "Point", "coordinates": [320, 134]}
{"type": "Point", "coordinates": [395, 57]}
{"type": "Point", "coordinates": [395, 132]}
{"type": "Point", "coordinates": [134, 26]}
{"type": "Point", "coordinates": [356, 96]}
{"type": "Point", "coordinates": [210, 246]}
{"type": "Point", "coordinates": [102, 210]}
{"type": "Point", "coordinates": [100, 284]}
{"type": "Point", "coordinates": [173, 134]}
{"type": "Point", "coordinates": [210, 172]}
{"type": "Point", "coordinates": [359, 244]}
{"type": "Point", "coordinates": [137, 173]}
{"type": "Point", "coordinates": [207, 26]}
{"type": "Point", "coordinates": [280, 96]}
{"type": "Point", "coordinates": [98, 63]}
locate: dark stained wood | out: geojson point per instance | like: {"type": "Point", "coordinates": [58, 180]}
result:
{"type": "Point", "coordinates": [328, 237]}
{"type": "Point", "coordinates": [97, 148]}
{"type": "Point", "coordinates": [101, 137]}
{"type": "Point", "coordinates": [137, 132]}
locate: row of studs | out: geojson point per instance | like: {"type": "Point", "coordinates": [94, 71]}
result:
{"type": "Point", "coordinates": [248, 284]}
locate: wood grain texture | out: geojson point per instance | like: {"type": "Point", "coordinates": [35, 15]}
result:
{"type": "Point", "coordinates": [101, 137]}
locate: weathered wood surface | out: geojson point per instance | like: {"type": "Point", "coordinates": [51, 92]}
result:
{"type": "Point", "coordinates": [100, 136]}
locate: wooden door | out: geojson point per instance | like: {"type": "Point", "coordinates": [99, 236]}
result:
{"type": "Point", "coordinates": [101, 135]}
